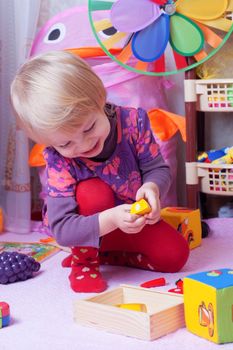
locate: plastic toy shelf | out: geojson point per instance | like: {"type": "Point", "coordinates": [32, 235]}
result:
{"type": "Point", "coordinates": [212, 178]}
{"type": "Point", "coordinates": [213, 95]}
{"type": "Point", "coordinates": [201, 96]}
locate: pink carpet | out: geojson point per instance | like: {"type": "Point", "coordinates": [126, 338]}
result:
{"type": "Point", "coordinates": [42, 310]}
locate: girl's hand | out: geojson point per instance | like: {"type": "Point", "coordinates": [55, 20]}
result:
{"type": "Point", "coordinates": [150, 192]}
{"type": "Point", "coordinates": [120, 217]}
{"type": "Point", "coordinates": [126, 222]}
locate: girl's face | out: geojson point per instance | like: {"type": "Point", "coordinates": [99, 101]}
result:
{"type": "Point", "coordinates": [87, 140]}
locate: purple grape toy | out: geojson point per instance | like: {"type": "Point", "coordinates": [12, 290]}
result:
{"type": "Point", "coordinates": [16, 267]}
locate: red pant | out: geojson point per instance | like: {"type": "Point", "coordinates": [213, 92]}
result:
{"type": "Point", "coordinates": [163, 246]}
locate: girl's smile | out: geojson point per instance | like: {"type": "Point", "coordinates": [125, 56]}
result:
{"type": "Point", "coordinates": [86, 140]}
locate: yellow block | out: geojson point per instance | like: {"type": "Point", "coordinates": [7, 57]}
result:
{"type": "Point", "coordinates": [201, 309]}
{"type": "Point", "coordinates": [1, 220]}
{"type": "Point", "coordinates": [140, 208]}
{"type": "Point", "coordinates": [186, 221]}
{"type": "Point", "coordinates": [133, 306]}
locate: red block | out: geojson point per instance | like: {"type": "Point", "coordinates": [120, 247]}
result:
{"type": "Point", "coordinates": [4, 309]}
{"type": "Point", "coordinates": [157, 282]}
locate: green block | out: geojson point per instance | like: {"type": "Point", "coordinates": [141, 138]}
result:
{"type": "Point", "coordinates": [224, 314]}
{"type": "Point", "coordinates": [208, 303]}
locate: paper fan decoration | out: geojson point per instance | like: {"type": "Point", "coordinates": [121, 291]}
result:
{"type": "Point", "coordinates": [148, 30]}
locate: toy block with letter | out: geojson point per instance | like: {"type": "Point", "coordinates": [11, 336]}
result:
{"type": "Point", "coordinates": [208, 300]}
{"type": "Point", "coordinates": [186, 221]}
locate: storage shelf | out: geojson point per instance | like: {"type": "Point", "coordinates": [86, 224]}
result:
{"type": "Point", "coordinates": [213, 95]}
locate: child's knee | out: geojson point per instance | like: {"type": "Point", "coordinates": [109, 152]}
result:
{"type": "Point", "coordinates": [173, 258]}
{"type": "Point", "coordinates": [94, 195]}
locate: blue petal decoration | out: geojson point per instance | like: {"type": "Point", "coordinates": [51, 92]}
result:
{"type": "Point", "coordinates": [150, 43]}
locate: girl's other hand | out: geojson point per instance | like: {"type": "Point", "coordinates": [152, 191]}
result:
{"type": "Point", "coordinates": [127, 222]}
{"type": "Point", "coordinates": [120, 217]}
{"type": "Point", "coordinates": [150, 192]}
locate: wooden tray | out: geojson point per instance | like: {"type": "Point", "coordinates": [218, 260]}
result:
{"type": "Point", "coordinates": [165, 312]}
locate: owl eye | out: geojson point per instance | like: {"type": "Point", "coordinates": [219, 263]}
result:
{"type": "Point", "coordinates": [55, 34]}
{"type": "Point", "coordinates": [108, 32]}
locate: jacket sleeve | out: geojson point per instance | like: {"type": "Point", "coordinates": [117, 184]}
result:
{"type": "Point", "coordinates": [151, 163]}
{"type": "Point", "coordinates": [68, 227]}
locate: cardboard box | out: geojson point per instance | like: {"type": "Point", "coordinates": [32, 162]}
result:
{"type": "Point", "coordinates": [186, 221]}
{"type": "Point", "coordinates": [165, 312]}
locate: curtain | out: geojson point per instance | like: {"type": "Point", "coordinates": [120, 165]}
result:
{"type": "Point", "coordinates": [18, 21]}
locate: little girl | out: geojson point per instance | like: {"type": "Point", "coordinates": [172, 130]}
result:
{"type": "Point", "coordinates": [100, 159]}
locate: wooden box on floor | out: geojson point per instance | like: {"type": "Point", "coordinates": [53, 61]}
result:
{"type": "Point", "coordinates": [165, 312]}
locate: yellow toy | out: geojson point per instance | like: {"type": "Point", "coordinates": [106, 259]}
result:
{"type": "Point", "coordinates": [227, 159]}
{"type": "Point", "coordinates": [133, 306]}
{"type": "Point", "coordinates": [140, 208]}
{"type": "Point", "coordinates": [208, 300]}
{"type": "Point", "coordinates": [186, 221]}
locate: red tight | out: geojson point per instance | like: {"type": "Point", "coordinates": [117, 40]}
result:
{"type": "Point", "coordinates": [157, 247]}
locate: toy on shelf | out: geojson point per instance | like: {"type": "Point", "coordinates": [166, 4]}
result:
{"type": "Point", "coordinates": [186, 221]}
{"type": "Point", "coordinates": [218, 66]}
{"type": "Point", "coordinates": [4, 314]}
{"type": "Point", "coordinates": [140, 207]}
{"type": "Point", "coordinates": [218, 176]}
{"type": "Point", "coordinates": [220, 156]}
{"type": "Point", "coordinates": [226, 159]}
{"type": "Point", "coordinates": [208, 302]}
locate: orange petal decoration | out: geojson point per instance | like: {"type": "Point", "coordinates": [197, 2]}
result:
{"type": "Point", "coordinates": [165, 124]}
{"type": "Point", "coordinates": [36, 157]}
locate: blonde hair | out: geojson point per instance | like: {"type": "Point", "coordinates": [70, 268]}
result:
{"type": "Point", "coordinates": [53, 90]}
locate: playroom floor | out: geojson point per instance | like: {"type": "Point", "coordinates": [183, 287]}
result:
{"type": "Point", "coordinates": [42, 307]}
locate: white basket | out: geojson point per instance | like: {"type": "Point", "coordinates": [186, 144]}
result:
{"type": "Point", "coordinates": [215, 95]}
{"type": "Point", "coordinates": [216, 179]}
{"type": "Point", "coordinates": [210, 95]}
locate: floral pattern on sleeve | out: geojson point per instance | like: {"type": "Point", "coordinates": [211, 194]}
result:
{"type": "Point", "coordinates": [141, 135]}
{"type": "Point", "coordinates": [127, 191]}
{"type": "Point", "coordinates": [61, 181]}
{"type": "Point", "coordinates": [112, 168]}
{"type": "Point", "coordinates": [131, 131]}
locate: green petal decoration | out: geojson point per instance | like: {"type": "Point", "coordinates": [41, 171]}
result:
{"type": "Point", "coordinates": [100, 5]}
{"type": "Point", "coordinates": [197, 28]}
{"type": "Point", "coordinates": [185, 36]}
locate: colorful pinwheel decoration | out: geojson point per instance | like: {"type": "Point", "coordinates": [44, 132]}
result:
{"type": "Point", "coordinates": [146, 30]}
